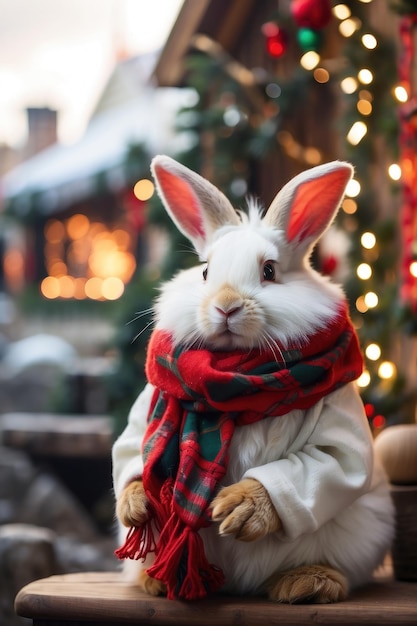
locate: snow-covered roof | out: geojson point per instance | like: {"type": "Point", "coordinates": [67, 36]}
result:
{"type": "Point", "coordinates": [64, 174]}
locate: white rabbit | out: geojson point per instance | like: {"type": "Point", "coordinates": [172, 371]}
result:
{"type": "Point", "coordinates": [302, 512]}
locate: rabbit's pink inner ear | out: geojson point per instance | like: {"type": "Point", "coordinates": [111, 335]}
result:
{"type": "Point", "coordinates": [315, 203]}
{"type": "Point", "coordinates": [182, 202]}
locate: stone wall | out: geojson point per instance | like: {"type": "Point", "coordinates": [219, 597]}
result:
{"type": "Point", "coordinates": [43, 531]}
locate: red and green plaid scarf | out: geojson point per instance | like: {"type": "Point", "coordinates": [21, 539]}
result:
{"type": "Point", "coordinates": [200, 396]}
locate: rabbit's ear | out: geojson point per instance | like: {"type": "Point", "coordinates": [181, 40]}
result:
{"type": "Point", "coordinates": [196, 206]}
{"type": "Point", "coordinates": [307, 205]}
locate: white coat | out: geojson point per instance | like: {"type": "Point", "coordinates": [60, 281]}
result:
{"type": "Point", "coordinates": [319, 470]}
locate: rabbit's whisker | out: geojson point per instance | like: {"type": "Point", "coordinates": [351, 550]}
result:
{"type": "Point", "coordinates": [139, 314]}
{"type": "Point", "coordinates": [274, 347]}
{"type": "Point", "coordinates": [142, 331]}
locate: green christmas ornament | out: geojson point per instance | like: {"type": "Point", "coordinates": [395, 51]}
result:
{"type": "Point", "coordinates": [308, 39]}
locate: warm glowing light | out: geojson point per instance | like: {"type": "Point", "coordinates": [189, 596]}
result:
{"type": "Point", "coordinates": [361, 305]}
{"type": "Point", "coordinates": [365, 76]}
{"type": "Point", "coordinates": [93, 288]}
{"type": "Point", "coordinates": [312, 156]}
{"type": "Point", "coordinates": [79, 288]}
{"type": "Point", "coordinates": [144, 189]}
{"type": "Point", "coordinates": [373, 352]}
{"type": "Point", "coordinates": [353, 188]}
{"type": "Point", "coordinates": [86, 260]}
{"type": "Point", "coordinates": [54, 231]}
{"type": "Point", "coordinates": [401, 93]}
{"type": "Point", "coordinates": [371, 299]}
{"type": "Point", "coordinates": [66, 286]}
{"type": "Point", "coordinates": [413, 269]}
{"type": "Point", "coordinates": [364, 271]}
{"type": "Point", "coordinates": [341, 11]}
{"type": "Point", "coordinates": [349, 85]}
{"type": "Point", "coordinates": [369, 41]}
{"type": "Point", "coordinates": [57, 268]}
{"type": "Point", "coordinates": [349, 26]}
{"type": "Point", "coordinates": [77, 226]}
{"type": "Point", "coordinates": [349, 206]}
{"type": "Point", "coordinates": [364, 107]}
{"type": "Point", "coordinates": [394, 171]}
{"type": "Point", "coordinates": [387, 370]}
{"type": "Point", "coordinates": [112, 288]}
{"type": "Point", "coordinates": [310, 60]}
{"type": "Point", "coordinates": [107, 261]}
{"type": "Point", "coordinates": [368, 240]}
{"type": "Point", "coordinates": [364, 379]}
{"type": "Point", "coordinates": [50, 287]}
{"type": "Point", "coordinates": [321, 75]}
{"type": "Point", "coordinates": [357, 133]}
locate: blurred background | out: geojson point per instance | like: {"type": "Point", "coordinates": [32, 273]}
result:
{"type": "Point", "coordinates": [248, 94]}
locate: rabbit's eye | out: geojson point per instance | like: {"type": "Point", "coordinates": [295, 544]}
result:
{"type": "Point", "coordinates": [205, 272]}
{"type": "Point", "coordinates": [269, 271]}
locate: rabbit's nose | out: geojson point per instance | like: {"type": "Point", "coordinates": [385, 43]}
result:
{"type": "Point", "coordinates": [228, 302]}
{"type": "Point", "coordinates": [228, 311]}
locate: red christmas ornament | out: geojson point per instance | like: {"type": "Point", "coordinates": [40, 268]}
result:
{"type": "Point", "coordinates": [329, 264]}
{"type": "Point", "coordinates": [378, 421]}
{"type": "Point", "coordinates": [315, 14]}
{"type": "Point", "coordinates": [276, 39]}
{"type": "Point", "coordinates": [369, 410]}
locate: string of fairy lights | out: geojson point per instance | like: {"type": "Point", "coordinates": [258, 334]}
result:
{"type": "Point", "coordinates": [361, 85]}
{"type": "Point", "coordinates": [357, 84]}
{"type": "Point", "coordinates": [377, 365]}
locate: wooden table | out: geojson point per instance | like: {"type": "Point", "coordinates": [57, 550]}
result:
{"type": "Point", "coordinates": [104, 598]}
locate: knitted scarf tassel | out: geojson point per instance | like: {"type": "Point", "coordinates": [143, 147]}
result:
{"type": "Point", "coordinates": [180, 560]}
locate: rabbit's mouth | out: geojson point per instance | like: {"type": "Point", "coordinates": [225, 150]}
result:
{"type": "Point", "coordinates": [227, 338]}
{"type": "Point", "coordinates": [230, 326]}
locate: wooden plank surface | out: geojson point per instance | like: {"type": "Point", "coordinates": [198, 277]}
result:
{"type": "Point", "coordinates": [105, 598]}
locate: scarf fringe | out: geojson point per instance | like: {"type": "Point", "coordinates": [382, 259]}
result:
{"type": "Point", "coordinates": [141, 539]}
{"type": "Point", "coordinates": [181, 563]}
{"type": "Point", "coordinates": [138, 542]}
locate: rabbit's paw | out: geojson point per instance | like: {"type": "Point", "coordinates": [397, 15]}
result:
{"type": "Point", "coordinates": [310, 584]}
{"type": "Point", "coordinates": [150, 585]}
{"type": "Point", "coordinates": [131, 507]}
{"type": "Point", "coordinates": [245, 510]}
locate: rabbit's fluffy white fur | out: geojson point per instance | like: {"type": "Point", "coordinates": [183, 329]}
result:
{"type": "Point", "coordinates": [297, 305]}
{"type": "Point", "coordinates": [317, 466]}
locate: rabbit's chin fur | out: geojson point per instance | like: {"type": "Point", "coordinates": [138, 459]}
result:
{"type": "Point", "coordinates": [298, 303]}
